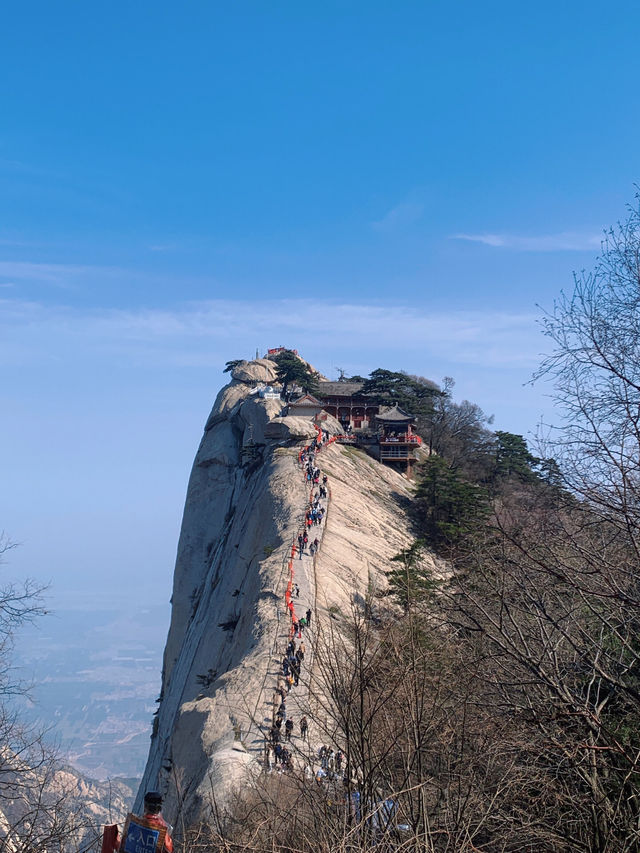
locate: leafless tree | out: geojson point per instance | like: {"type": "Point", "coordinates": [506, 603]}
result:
{"type": "Point", "coordinates": [428, 767]}
{"type": "Point", "coordinates": [548, 608]}
{"type": "Point", "coordinates": [595, 366]}
{"type": "Point", "coordinates": [37, 812]}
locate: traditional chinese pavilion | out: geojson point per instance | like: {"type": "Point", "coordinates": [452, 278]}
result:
{"type": "Point", "coordinates": [346, 402]}
{"type": "Point", "coordinates": [396, 439]}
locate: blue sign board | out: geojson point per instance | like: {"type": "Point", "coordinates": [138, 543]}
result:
{"type": "Point", "coordinates": [140, 838]}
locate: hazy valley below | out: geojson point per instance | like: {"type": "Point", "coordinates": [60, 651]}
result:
{"type": "Point", "coordinates": [96, 675]}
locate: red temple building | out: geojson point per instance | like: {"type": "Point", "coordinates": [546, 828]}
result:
{"type": "Point", "coordinates": [274, 351]}
{"type": "Point", "coordinates": [386, 433]}
{"type": "Point", "coordinates": [346, 402]}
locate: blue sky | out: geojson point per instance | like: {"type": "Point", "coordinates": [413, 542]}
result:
{"type": "Point", "coordinates": [376, 184]}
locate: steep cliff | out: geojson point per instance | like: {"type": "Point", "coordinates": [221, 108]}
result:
{"type": "Point", "coordinates": [245, 506]}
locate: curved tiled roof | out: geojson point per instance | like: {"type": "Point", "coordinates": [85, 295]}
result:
{"type": "Point", "coordinates": [394, 414]}
{"type": "Point", "coordinates": [306, 400]}
{"type": "Point", "coordinates": [339, 389]}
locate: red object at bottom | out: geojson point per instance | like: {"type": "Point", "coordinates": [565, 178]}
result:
{"type": "Point", "coordinates": [110, 838]}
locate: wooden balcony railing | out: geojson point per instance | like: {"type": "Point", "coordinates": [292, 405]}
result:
{"type": "Point", "coordinates": [403, 438]}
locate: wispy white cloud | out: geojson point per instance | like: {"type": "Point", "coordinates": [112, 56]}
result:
{"type": "Point", "coordinates": [399, 216]}
{"type": "Point", "coordinates": [20, 166]}
{"type": "Point", "coordinates": [565, 241]}
{"type": "Point", "coordinates": [208, 333]}
{"type": "Point", "coordinates": [15, 243]}
{"type": "Point", "coordinates": [62, 275]}
{"type": "Point", "coordinates": [163, 247]}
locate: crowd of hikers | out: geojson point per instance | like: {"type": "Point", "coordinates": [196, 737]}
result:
{"type": "Point", "coordinates": [279, 744]}
{"type": "Point", "coordinates": [287, 736]}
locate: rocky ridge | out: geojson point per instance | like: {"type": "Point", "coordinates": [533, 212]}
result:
{"type": "Point", "coordinates": [245, 505]}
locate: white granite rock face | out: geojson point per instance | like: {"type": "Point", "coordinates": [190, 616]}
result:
{"type": "Point", "coordinates": [260, 370]}
{"type": "Point", "coordinates": [295, 428]}
{"type": "Point", "coordinates": [245, 503]}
